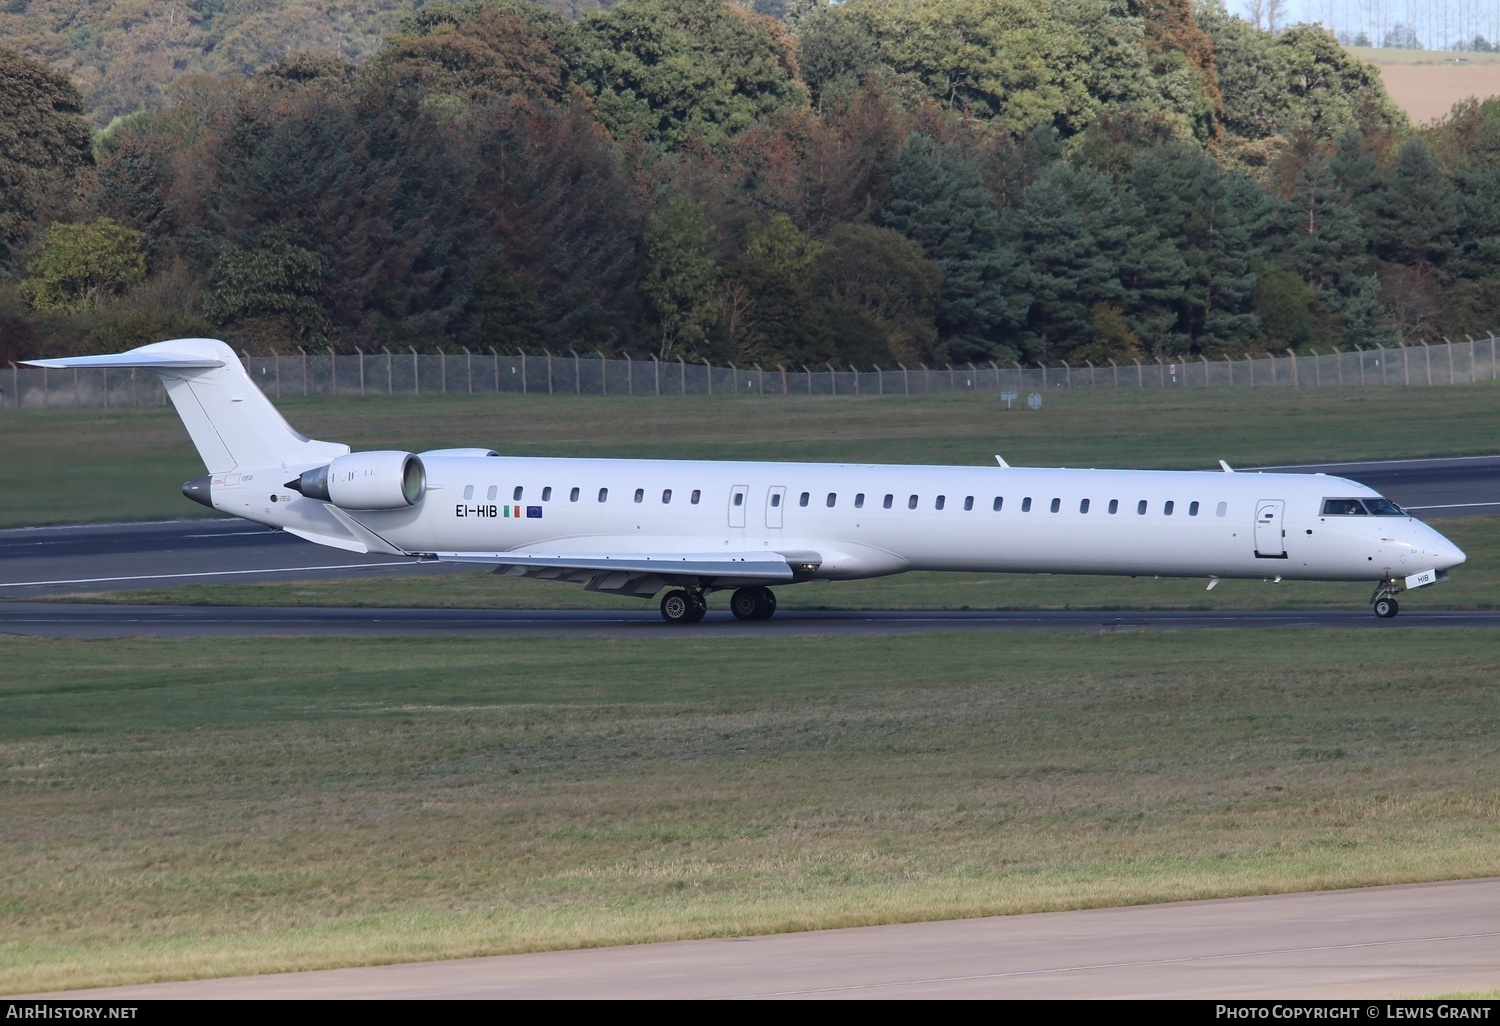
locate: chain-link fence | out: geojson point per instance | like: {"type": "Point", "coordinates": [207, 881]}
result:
{"type": "Point", "coordinates": [479, 373]}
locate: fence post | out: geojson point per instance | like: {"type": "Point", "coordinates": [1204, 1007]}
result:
{"type": "Point", "coordinates": [1450, 359]}
{"type": "Point", "coordinates": [1115, 367]}
{"type": "Point", "coordinates": [495, 368]}
{"type": "Point", "coordinates": [808, 375]}
{"type": "Point", "coordinates": [629, 375]}
{"type": "Point", "coordinates": [1140, 375]}
{"type": "Point", "coordinates": [577, 373]}
{"type": "Point", "coordinates": [682, 371]}
{"type": "Point", "coordinates": [1427, 357]}
{"type": "Point", "coordinates": [416, 372]}
{"type": "Point", "coordinates": [304, 369]}
{"type": "Point", "coordinates": [656, 366]}
{"type": "Point", "coordinates": [389, 389]}
{"type": "Point", "coordinates": [833, 382]}
{"type": "Point", "coordinates": [361, 353]}
{"type": "Point", "coordinates": [855, 371]}
{"type": "Point", "coordinates": [549, 372]}
{"type": "Point", "coordinates": [734, 378]}
{"type": "Point", "coordinates": [1092, 382]}
{"type": "Point", "coordinates": [603, 382]}
{"type": "Point", "coordinates": [1294, 367]}
{"type": "Point", "coordinates": [782, 367]}
{"type": "Point", "coordinates": [760, 380]}
{"type": "Point", "coordinates": [1205, 370]}
{"type": "Point", "coordinates": [525, 389]}
{"type": "Point", "coordinates": [1067, 375]}
{"type": "Point", "coordinates": [1381, 360]}
{"type": "Point", "coordinates": [880, 380]}
{"type": "Point", "coordinates": [1317, 368]}
{"type": "Point", "coordinates": [973, 378]}
{"type": "Point", "coordinates": [1020, 376]}
{"type": "Point", "coordinates": [708, 372]}
{"type": "Point", "coordinates": [443, 368]}
{"type": "Point", "coordinates": [905, 378]}
{"type": "Point", "coordinates": [995, 367]}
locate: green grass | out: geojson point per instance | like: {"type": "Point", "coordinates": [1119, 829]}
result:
{"type": "Point", "coordinates": [176, 809]}
{"type": "Point", "coordinates": [73, 465]}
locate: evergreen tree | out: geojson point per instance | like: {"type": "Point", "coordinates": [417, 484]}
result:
{"type": "Point", "coordinates": [1414, 214]}
{"type": "Point", "coordinates": [938, 200]}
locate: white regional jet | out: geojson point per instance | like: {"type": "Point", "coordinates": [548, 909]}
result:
{"type": "Point", "coordinates": [634, 527]}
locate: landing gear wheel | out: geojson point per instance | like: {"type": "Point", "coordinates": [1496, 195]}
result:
{"type": "Point", "coordinates": [679, 607]}
{"type": "Point", "coordinates": [700, 607]}
{"type": "Point", "coordinates": [753, 604]}
{"type": "Point", "coordinates": [1385, 608]}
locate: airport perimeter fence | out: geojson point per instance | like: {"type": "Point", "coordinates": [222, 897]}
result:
{"type": "Point", "coordinates": [491, 372]}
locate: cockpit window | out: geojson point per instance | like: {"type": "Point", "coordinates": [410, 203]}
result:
{"type": "Point", "coordinates": [1384, 508]}
{"type": "Point", "coordinates": [1343, 508]}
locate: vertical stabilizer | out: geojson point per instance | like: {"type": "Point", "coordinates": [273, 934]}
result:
{"type": "Point", "coordinates": [232, 423]}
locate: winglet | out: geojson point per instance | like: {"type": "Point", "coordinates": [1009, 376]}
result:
{"type": "Point", "coordinates": [1227, 468]}
{"type": "Point", "coordinates": [1001, 460]}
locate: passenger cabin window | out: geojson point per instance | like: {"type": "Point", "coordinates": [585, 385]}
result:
{"type": "Point", "coordinates": [1114, 505]}
{"type": "Point", "coordinates": [1192, 509]}
{"type": "Point", "coordinates": [640, 495]}
{"type": "Point", "coordinates": [695, 497]}
{"type": "Point", "coordinates": [603, 494]}
{"type": "Point", "coordinates": [938, 504]}
{"type": "Point", "coordinates": [888, 500]}
{"type": "Point", "coordinates": [547, 494]}
{"type": "Point", "coordinates": [519, 490]}
{"type": "Point", "coordinates": [859, 501]}
{"type": "Point", "coordinates": [998, 503]}
{"type": "Point", "coordinates": [911, 503]}
{"type": "Point", "coordinates": [1167, 509]}
{"type": "Point", "coordinates": [968, 503]}
{"type": "Point", "coordinates": [494, 491]}
{"type": "Point", "coordinates": [739, 498]}
{"type": "Point", "coordinates": [1083, 506]}
{"type": "Point", "coordinates": [666, 496]}
{"type": "Point", "coordinates": [1026, 504]}
{"type": "Point", "coordinates": [573, 495]}
{"type": "Point", "coordinates": [832, 499]}
{"type": "Point", "coordinates": [1223, 508]}
{"type": "Point", "coordinates": [468, 492]}
{"type": "Point", "coordinates": [802, 499]}
{"type": "Point", "coordinates": [1056, 505]}
{"type": "Point", "coordinates": [775, 499]}
{"type": "Point", "coordinates": [1140, 508]}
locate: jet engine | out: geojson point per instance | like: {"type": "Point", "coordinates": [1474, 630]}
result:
{"type": "Point", "coordinates": [366, 480]}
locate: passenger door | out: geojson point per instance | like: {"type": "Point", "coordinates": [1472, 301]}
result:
{"type": "Point", "coordinates": [1270, 537]}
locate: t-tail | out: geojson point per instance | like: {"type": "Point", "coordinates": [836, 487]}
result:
{"type": "Point", "coordinates": [232, 423]}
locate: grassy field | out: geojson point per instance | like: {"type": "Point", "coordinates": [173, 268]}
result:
{"type": "Point", "coordinates": [73, 465]}
{"type": "Point", "coordinates": [173, 809]}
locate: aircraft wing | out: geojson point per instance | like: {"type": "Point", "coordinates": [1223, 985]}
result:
{"type": "Point", "coordinates": [636, 573]}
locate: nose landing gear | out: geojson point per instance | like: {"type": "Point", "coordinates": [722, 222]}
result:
{"type": "Point", "coordinates": [1384, 600]}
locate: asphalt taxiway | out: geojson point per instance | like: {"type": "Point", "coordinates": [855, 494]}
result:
{"type": "Point", "coordinates": [1372, 943]}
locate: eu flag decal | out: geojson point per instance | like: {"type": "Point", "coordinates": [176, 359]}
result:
{"type": "Point", "coordinates": [533, 512]}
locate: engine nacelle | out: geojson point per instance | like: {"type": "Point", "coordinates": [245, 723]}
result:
{"type": "Point", "coordinates": [366, 480]}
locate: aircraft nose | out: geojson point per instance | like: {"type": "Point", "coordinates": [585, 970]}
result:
{"type": "Point", "coordinates": [1445, 554]}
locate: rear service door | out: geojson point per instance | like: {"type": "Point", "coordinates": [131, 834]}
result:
{"type": "Point", "coordinates": [1270, 537]}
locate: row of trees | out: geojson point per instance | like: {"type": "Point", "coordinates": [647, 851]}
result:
{"type": "Point", "coordinates": [922, 181]}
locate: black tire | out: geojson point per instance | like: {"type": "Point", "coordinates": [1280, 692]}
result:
{"type": "Point", "coordinates": [746, 603]}
{"type": "Point", "coordinates": [679, 607]}
{"type": "Point", "coordinates": [1385, 608]}
{"type": "Point", "coordinates": [700, 608]}
{"type": "Point", "coordinates": [767, 603]}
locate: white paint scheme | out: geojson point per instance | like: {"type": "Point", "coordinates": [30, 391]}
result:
{"type": "Point", "coordinates": [768, 536]}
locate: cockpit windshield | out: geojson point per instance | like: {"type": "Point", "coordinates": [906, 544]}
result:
{"type": "Point", "coordinates": [1377, 507]}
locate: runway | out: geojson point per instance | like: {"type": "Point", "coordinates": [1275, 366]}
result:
{"type": "Point", "coordinates": [84, 620]}
{"type": "Point", "coordinates": [1373, 943]}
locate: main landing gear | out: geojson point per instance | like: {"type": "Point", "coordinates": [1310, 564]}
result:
{"type": "Point", "coordinates": [687, 605]}
{"type": "Point", "coordinates": [683, 606]}
{"type": "Point", "coordinates": [1384, 600]}
{"type": "Point", "coordinates": [753, 604]}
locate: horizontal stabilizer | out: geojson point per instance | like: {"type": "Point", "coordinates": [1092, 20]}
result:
{"type": "Point", "coordinates": [676, 564]}
{"type": "Point", "coordinates": [149, 361]}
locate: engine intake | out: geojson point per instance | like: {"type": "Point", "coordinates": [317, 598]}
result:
{"type": "Point", "coordinates": [366, 480]}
